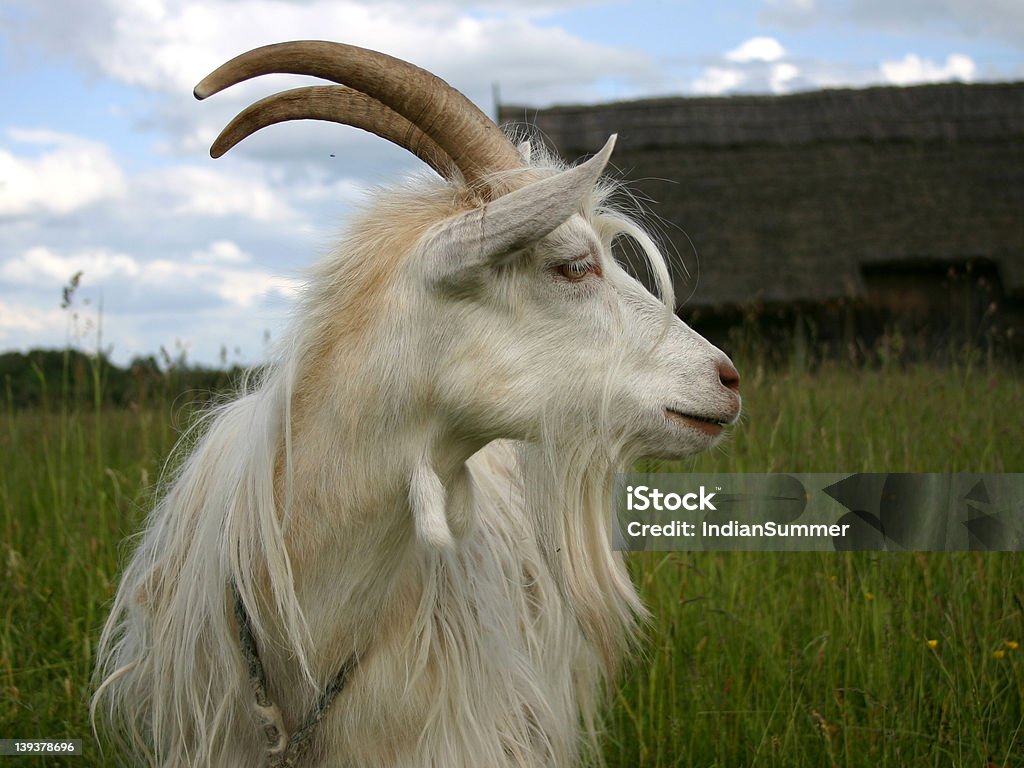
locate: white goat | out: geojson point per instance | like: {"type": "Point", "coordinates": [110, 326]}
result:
{"type": "Point", "coordinates": [418, 492]}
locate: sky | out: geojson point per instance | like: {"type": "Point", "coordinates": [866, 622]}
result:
{"type": "Point", "coordinates": [104, 164]}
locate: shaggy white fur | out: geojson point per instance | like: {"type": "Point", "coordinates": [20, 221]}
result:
{"type": "Point", "coordinates": [422, 478]}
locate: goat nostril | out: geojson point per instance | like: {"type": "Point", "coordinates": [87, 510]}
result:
{"type": "Point", "coordinates": [729, 376]}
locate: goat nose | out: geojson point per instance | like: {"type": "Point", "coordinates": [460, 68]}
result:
{"type": "Point", "coordinates": [729, 376]}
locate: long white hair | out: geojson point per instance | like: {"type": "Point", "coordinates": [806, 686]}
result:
{"type": "Point", "coordinates": [488, 652]}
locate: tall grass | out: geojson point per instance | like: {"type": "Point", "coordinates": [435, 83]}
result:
{"type": "Point", "coordinates": [750, 658]}
{"type": "Point", "coordinates": [828, 659]}
{"type": "Point", "coordinates": [809, 659]}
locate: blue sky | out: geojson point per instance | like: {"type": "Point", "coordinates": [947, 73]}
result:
{"type": "Point", "coordinates": [103, 151]}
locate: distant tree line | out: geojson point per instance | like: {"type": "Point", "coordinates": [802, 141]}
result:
{"type": "Point", "coordinates": [45, 378]}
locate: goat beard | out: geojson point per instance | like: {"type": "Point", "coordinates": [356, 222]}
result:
{"type": "Point", "coordinates": [569, 494]}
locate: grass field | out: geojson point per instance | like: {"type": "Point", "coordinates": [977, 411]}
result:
{"type": "Point", "coordinates": [863, 659]}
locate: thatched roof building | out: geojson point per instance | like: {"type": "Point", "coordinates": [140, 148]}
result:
{"type": "Point", "coordinates": [821, 197]}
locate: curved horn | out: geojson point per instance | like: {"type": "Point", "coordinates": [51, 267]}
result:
{"type": "Point", "coordinates": [475, 144]}
{"type": "Point", "coordinates": [338, 104]}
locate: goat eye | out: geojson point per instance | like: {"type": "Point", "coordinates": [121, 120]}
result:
{"type": "Point", "coordinates": [575, 271]}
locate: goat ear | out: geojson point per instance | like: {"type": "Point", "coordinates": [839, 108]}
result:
{"type": "Point", "coordinates": [516, 220]}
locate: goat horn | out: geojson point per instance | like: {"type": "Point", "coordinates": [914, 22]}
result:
{"type": "Point", "coordinates": [475, 144]}
{"type": "Point", "coordinates": [333, 103]}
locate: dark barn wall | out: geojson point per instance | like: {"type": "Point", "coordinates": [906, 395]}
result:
{"type": "Point", "coordinates": [827, 201]}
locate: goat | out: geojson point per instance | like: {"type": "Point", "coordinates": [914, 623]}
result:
{"type": "Point", "coordinates": [418, 491]}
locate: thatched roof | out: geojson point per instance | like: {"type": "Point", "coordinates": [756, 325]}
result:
{"type": "Point", "coordinates": [790, 198]}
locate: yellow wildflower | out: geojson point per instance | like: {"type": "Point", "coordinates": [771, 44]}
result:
{"type": "Point", "coordinates": [1013, 645]}
{"type": "Point", "coordinates": [933, 643]}
{"type": "Point", "coordinates": [999, 654]}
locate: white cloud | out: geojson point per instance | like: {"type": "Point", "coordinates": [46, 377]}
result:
{"type": "Point", "coordinates": [186, 190]}
{"type": "Point", "coordinates": [716, 81]}
{"type": "Point", "coordinates": [762, 64]}
{"type": "Point", "coordinates": [781, 75]}
{"type": "Point", "coordinates": [321, 189]}
{"type": "Point", "coordinates": [71, 173]}
{"type": "Point", "coordinates": [220, 269]}
{"type": "Point", "coordinates": [222, 251]}
{"type": "Point", "coordinates": [17, 319]}
{"type": "Point", "coordinates": [757, 49]}
{"type": "Point", "coordinates": [530, 63]}
{"type": "Point", "coordinates": [756, 65]}
{"type": "Point", "coordinates": [164, 251]}
{"type": "Point", "coordinates": [43, 268]}
{"type": "Point", "coordinates": [167, 46]}
{"type": "Point", "coordinates": [243, 289]}
{"type": "Point", "coordinates": [913, 69]}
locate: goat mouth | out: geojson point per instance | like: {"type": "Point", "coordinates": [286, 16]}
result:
{"type": "Point", "coordinates": [705, 424]}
